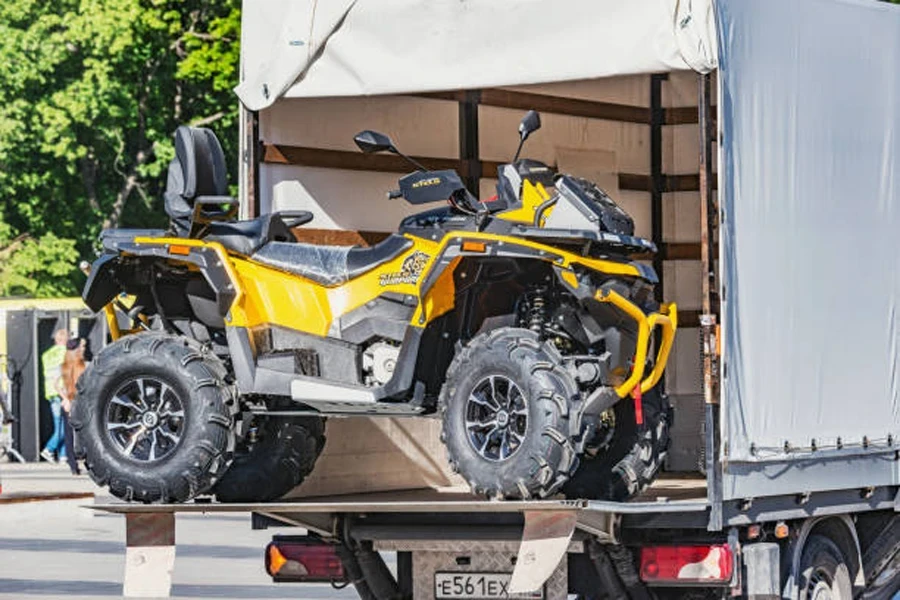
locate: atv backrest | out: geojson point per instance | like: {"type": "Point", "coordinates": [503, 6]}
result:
{"type": "Point", "coordinates": [198, 169]}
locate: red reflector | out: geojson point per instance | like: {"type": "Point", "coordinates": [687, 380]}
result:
{"type": "Point", "coordinates": [685, 564]}
{"type": "Point", "coordinates": [305, 560]}
{"type": "Point", "coordinates": [638, 404]}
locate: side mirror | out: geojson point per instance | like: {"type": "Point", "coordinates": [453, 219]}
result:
{"type": "Point", "coordinates": [371, 141]}
{"type": "Point", "coordinates": [530, 123]}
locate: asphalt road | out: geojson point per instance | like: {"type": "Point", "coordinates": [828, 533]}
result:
{"type": "Point", "coordinates": [57, 549]}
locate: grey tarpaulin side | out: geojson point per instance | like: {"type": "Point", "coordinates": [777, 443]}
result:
{"type": "Point", "coordinates": [810, 241]}
{"type": "Point", "coordinates": [307, 48]}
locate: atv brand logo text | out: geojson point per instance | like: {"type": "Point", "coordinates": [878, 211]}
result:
{"type": "Point", "coordinates": [424, 182]}
{"type": "Point", "coordinates": [409, 271]}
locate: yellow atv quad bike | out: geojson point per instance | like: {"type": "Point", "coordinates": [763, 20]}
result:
{"type": "Point", "coordinates": [521, 322]}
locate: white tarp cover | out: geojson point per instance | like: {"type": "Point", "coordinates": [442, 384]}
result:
{"type": "Point", "coordinates": [810, 170]}
{"type": "Point", "coordinates": [306, 48]}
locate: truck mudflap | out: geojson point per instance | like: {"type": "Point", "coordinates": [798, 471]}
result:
{"type": "Point", "coordinates": [545, 542]}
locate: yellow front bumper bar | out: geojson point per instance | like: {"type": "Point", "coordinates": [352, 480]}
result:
{"type": "Point", "coordinates": [666, 320]}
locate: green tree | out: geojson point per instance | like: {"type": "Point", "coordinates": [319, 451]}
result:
{"type": "Point", "coordinates": [91, 93]}
{"type": "Point", "coordinates": [36, 267]}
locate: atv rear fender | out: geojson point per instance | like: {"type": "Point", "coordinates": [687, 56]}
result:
{"type": "Point", "coordinates": [101, 286]}
{"type": "Point", "coordinates": [210, 259]}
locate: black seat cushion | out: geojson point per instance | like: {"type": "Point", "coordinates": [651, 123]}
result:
{"type": "Point", "coordinates": [246, 237]}
{"type": "Point", "coordinates": [330, 265]}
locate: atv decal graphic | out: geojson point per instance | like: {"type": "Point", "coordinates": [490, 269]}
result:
{"type": "Point", "coordinates": [409, 271]}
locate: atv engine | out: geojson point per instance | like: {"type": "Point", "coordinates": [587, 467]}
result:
{"type": "Point", "coordinates": [379, 361]}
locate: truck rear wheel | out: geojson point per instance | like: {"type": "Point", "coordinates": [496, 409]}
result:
{"type": "Point", "coordinates": [881, 561]}
{"type": "Point", "coordinates": [824, 574]}
{"type": "Point", "coordinates": [153, 418]}
{"type": "Point", "coordinates": [505, 407]}
{"type": "Point", "coordinates": [631, 460]}
{"type": "Point", "coordinates": [275, 463]}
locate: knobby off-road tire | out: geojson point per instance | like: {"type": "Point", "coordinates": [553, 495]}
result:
{"type": "Point", "coordinates": [180, 449]}
{"type": "Point", "coordinates": [634, 456]}
{"type": "Point", "coordinates": [539, 393]}
{"type": "Point", "coordinates": [278, 462]}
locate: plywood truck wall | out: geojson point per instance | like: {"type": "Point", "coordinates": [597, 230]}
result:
{"type": "Point", "coordinates": [356, 200]}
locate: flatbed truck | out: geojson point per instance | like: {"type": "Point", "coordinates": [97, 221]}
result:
{"type": "Point", "coordinates": [800, 491]}
{"type": "Point", "coordinates": [452, 545]}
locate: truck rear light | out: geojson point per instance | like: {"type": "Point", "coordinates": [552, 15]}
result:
{"type": "Point", "coordinates": [687, 564]}
{"type": "Point", "coordinates": [304, 560]}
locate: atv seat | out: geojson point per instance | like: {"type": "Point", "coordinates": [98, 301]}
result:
{"type": "Point", "coordinates": [245, 237]}
{"type": "Point", "coordinates": [330, 265]}
{"type": "Point", "coordinates": [196, 191]}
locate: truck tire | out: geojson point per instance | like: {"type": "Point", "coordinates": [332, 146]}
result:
{"type": "Point", "coordinates": [505, 409]}
{"type": "Point", "coordinates": [881, 562]}
{"type": "Point", "coordinates": [153, 418]}
{"type": "Point", "coordinates": [823, 571]}
{"type": "Point", "coordinates": [279, 461]}
{"type": "Point", "coordinates": [631, 461]}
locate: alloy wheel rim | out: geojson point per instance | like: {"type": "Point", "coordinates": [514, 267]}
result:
{"type": "Point", "coordinates": [145, 419]}
{"type": "Point", "coordinates": [496, 418]}
{"type": "Point", "coordinates": [819, 587]}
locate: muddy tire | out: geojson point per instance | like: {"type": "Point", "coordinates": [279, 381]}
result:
{"type": "Point", "coordinates": [505, 409]}
{"type": "Point", "coordinates": [153, 418]}
{"type": "Point", "coordinates": [634, 456]}
{"type": "Point", "coordinates": [270, 468]}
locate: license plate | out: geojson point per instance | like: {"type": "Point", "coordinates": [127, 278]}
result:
{"type": "Point", "coordinates": [477, 586]}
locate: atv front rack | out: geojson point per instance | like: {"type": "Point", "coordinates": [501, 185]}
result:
{"type": "Point", "coordinates": [666, 320]}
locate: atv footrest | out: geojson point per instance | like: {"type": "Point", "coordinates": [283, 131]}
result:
{"type": "Point", "coordinates": [336, 398]}
{"type": "Point", "coordinates": [302, 361]}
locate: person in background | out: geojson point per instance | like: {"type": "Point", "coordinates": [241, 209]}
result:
{"type": "Point", "coordinates": [51, 363]}
{"type": "Point", "coordinates": [4, 407]}
{"type": "Point", "coordinates": [72, 368]}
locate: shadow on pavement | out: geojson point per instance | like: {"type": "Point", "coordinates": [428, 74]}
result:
{"type": "Point", "coordinates": [101, 547]}
{"type": "Point", "coordinates": [61, 587]}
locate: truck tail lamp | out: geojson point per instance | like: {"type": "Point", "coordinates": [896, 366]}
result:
{"type": "Point", "coordinates": [687, 564]}
{"type": "Point", "coordinates": [303, 559]}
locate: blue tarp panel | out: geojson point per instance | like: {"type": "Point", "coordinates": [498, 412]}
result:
{"type": "Point", "coordinates": [810, 238]}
